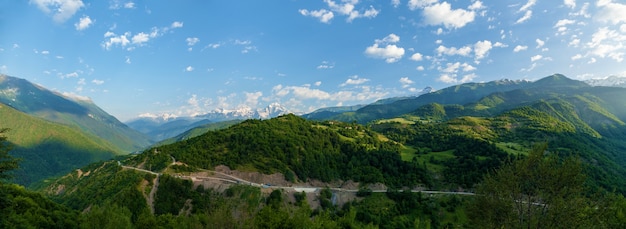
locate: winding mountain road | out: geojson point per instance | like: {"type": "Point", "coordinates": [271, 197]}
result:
{"type": "Point", "coordinates": [237, 180]}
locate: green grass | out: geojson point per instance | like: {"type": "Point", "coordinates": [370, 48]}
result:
{"type": "Point", "coordinates": [513, 148]}
{"type": "Point", "coordinates": [398, 120]}
{"type": "Point", "coordinates": [436, 156]}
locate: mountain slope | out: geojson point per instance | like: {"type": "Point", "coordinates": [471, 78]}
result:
{"type": "Point", "coordinates": [40, 102]}
{"type": "Point", "coordinates": [460, 94]}
{"type": "Point", "coordinates": [50, 149]}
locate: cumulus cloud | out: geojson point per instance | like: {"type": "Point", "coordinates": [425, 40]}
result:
{"type": "Point", "coordinates": [452, 78]}
{"type": "Point", "coordinates": [61, 10]}
{"type": "Point", "coordinates": [97, 82]}
{"type": "Point", "coordinates": [406, 82]}
{"type": "Point", "coordinates": [417, 57]}
{"type": "Point", "coordinates": [354, 80]}
{"type": "Point", "coordinates": [481, 49]}
{"type": "Point", "coordinates": [176, 24]}
{"type": "Point", "coordinates": [192, 40]}
{"type": "Point", "coordinates": [140, 38]}
{"type": "Point", "coordinates": [570, 3]}
{"type": "Point", "coordinates": [189, 69]}
{"type": "Point", "coordinates": [463, 51]}
{"type": "Point", "coordinates": [540, 43]}
{"type": "Point", "coordinates": [609, 43]}
{"type": "Point", "coordinates": [83, 23]}
{"type": "Point", "coordinates": [536, 58]}
{"type": "Point", "coordinates": [385, 49]}
{"type": "Point", "coordinates": [127, 40]}
{"type": "Point", "coordinates": [520, 48]}
{"type": "Point", "coordinates": [612, 12]}
{"type": "Point", "coordinates": [325, 16]}
{"type": "Point", "coordinates": [345, 7]}
{"type": "Point", "coordinates": [443, 14]}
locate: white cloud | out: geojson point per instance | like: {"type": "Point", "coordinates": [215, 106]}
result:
{"type": "Point", "coordinates": [326, 65]}
{"type": "Point", "coordinates": [452, 78]}
{"type": "Point", "coordinates": [607, 43]}
{"type": "Point", "coordinates": [500, 45]}
{"type": "Point", "coordinates": [97, 82]}
{"type": "Point", "coordinates": [140, 38]}
{"type": "Point", "coordinates": [524, 18]}
{"type": "Point", "coordinates": [83, 23]}
{"type": "Point", "coordinates": [443, 14]}
{"type": "Point", "coordinates": [318, 83]}
{"type": "Point", "coordinates": [577, 57]}
{"type": "Point", "coordinates": [415, 4]}
{"type": "Point", "coordinates": [570, 3]}
{"type": "Point", "coordinates": [455, 67]}
{"type": "Point", "coordinates": [417, 57]}
{"type": "Point", "coordinates": [345, 8]}
{"type": "Point", "coordinates": [564, 22]}
{"type": "Point", "coordinates": [252, 99]}
{"type": "Point", "coordinates": [176, 24]}
{"type": "Point", "coordinates": [70, 75]}
{"type": "Point", "coordinates": [420, 68]}
{"type": "Point", "coordinates": [463, 51]}
{"type": "Point", "coordinates": [520, 48]}
{"type": "Point", "coordinates": [45, 52]}
{"type": "Point", "coordinates": [476, 5]}
{"type": "Point", "coordinates": [127, 60]}
{"type": "Point", "coordinates": [191, 41]}
{"type": "Point", "coordinates": [390, 52]}
{"type": "Point", "coordinates": [395, 3]}
{"type": "Point", "coordinates": [117, 4]}
{"type": "Point", "coordinates": [62, 10]}
{"type": "Point", "coordinates": [481, 49]}
{"type": "Point", "coordinates": [540, 43]}
{"type": "Point", "coordinates": [406, 82]}
{"type": "Point", "coordinates": [129, 5]}
{"type": "Point", "coordinates": [528, 5]}
{"type": "Point", "coordinates": [354, 80]}
{"type": "Point", "coordinates": [536, 58]}
{"type": "Point", "coordinates": [611, 12]}
{"type": "Point", "coordinates": [323, 15]}
{"type": "Point", "coordinates": [189, 69]}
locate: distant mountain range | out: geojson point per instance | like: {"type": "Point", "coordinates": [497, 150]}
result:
{"type": "Point", "coordinates": [611, 81]}
{"type": "Point", "coordinates": [163, 127]}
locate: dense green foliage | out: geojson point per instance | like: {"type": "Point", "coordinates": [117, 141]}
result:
{"type": "Point", "coordinates": [49, 149]}
{"type": "Point", "coordinates": [540, 192]}
{"type": "Point", "coordinates": [311, 150]}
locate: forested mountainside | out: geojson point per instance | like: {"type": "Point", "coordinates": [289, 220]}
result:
{"type": "Point", "coordinates": [49, 149]}
{"type": "Point", "coordinates": [83, 114]}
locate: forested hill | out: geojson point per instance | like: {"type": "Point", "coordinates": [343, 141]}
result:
{"type": "Point", "coordinates": [296, 147]}
{"type": "Point", "coordinates": [47, 148]}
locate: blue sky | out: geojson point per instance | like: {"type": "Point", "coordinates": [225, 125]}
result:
{"type": "Point", "coordinates": [145, 58]}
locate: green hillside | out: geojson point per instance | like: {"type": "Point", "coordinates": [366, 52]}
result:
{"type": "Point", "coordinates": [293, 146]}
{"type": "Point", "coordinates": [85, 115]}
{"type": "Point", "coordinates": [50, 149]}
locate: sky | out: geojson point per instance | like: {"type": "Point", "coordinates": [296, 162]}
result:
{"type": "Point", "coordinates": [137, 58]}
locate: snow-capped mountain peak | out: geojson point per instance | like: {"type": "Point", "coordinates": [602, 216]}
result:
{"type": "Point", "coordinates": [245, 112]}
{"type": "Point", "coordinates": [611, 81]}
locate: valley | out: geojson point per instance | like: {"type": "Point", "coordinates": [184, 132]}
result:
{"type": "Point", "coordinates": [430, 158]}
